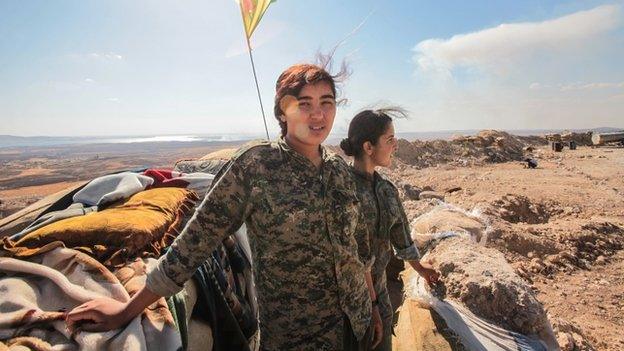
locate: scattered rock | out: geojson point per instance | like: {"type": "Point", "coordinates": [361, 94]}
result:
{"type": "Point", "coordinates": [570, 336]}
{"type": "Point", "coordinates": [410, 191]}
{"type": "Point", "coordinates": [566, 342]}
{"type": "Point", "coordinates": [430, 195]}
{"type": "Point", "coordinates": [452, 190]}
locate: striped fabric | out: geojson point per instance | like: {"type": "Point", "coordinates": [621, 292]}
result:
{"type": "Point", "coordinates": [252, 12]}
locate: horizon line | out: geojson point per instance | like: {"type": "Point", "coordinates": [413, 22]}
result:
{"type": "Point", "coordinates": [340, 133]}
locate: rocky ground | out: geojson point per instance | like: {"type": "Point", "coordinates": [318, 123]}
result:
{"type": "Point", "coordinates": [561, 226]}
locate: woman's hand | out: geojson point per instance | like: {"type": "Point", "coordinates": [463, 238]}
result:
{"type": "Point", "coordinates": [105, 314]}
{"type": "Point", "coordinates": [97, 315]}
{"type": "Point", "coordinates": [376, 317]}
{"type": "Point", "coordinates": [427, 272]}
{"type": "Point", "coordinates": [377, 327]}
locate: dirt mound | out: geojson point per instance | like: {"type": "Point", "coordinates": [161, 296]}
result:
{"type": "Point", "coordinates": [592, 244]}
{"type": "Point", "coordinates": [446, 219]}
{"type": "Point", "coordinates": [540, 250]}
{"type": "Point", "coordinates": [544, 238]}
{"type": "Point", "coordinates": [488, 146]}
{"type": "Point", "coordinates": [477, 276]}
{"type": "Point", "coordinates": [483, 281]}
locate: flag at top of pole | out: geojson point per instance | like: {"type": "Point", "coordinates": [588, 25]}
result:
{"type": "Point", "coordinates": [252, 12]}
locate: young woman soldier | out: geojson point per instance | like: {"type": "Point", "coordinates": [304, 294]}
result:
{"type": "Point", "coordinates": [382, 226]}
{"type": "Point", "coordinates": [299, 204]}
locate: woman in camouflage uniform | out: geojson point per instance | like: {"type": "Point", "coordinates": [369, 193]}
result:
{"type": "Point", "coordinates": [382, 226]}
{"type": "Point", "coordinates": [299, 204]}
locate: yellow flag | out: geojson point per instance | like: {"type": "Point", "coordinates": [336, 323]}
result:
{"type": "Point", "coordinates": [252, 11]}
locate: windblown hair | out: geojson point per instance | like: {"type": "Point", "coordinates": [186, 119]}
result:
{"type": "Point", "coordinates": [295, 77]}
{"type": "Point", "coordinates": [369, 125]}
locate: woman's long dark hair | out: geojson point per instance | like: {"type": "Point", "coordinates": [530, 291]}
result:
{"type": "Point", "coordinates": [369, 125]}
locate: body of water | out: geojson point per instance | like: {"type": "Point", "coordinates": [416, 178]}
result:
{"type": "Point", "coordinates": [8, 141]}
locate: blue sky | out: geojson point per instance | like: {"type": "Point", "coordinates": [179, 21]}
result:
{"type": "Point", "coordinates": [180, 67]}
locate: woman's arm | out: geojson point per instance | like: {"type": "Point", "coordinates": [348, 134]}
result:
{"type": "Point", "coordinates": [107, 314]}
{"type": "Point", "coordinates": [376, 317]}
{"type": "Point", "coordinates": [404, 247]}
{"type": "Point", "coordinates": [425, 271]}
{"type": "Point", "coordinates": [221, 212]}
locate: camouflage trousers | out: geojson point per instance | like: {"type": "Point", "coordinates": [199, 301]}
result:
{"type": "Point", "coordinates": [387, 318]}
{"type": "Point", "coordinates": [351, 343]}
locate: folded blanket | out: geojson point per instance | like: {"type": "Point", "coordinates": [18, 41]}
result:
{"type": "Point", "coordinates": [141, 226]}
{"type": "Point", "coordinates": [74, 210]}
{"type": "Point", "coordinates": [36, 291]}
{"type": "Point", "coordinates": [113, 187]}
{"type": "Point", "coordinates": [21, 219]}
{"type": "Point", "coordinates": [198, 181]}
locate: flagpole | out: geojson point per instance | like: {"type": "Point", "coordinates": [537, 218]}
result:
{"type": "Point", "coordinates": [253, 68]}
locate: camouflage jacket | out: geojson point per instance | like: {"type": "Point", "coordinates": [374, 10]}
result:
{"type": "Point", "coordinates": [382, 228]}
{"type": "Point", "coordinates": [300, 223]}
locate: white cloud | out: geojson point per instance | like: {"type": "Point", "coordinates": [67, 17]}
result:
{"type": "Point", "coordinates": [577, 86]}
{"type": "Point", "coordinates": [113, 99]}
{"type": "Point", "coordinates": [591, 86]}
{"type": "Point", "coordinates": [106, 56]}
{"type": "Point", "coordinates": [536, 86]}
{"type": "Point", "coordinates": [89, 80]}
{"type": "Point", "coordinates": [507, 43]}
{"type": "Point", "coordinates": [96, 57]}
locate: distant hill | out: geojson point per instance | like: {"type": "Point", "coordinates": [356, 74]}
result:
{"type": "Point", "coordinates": [606, 130]}
{"type": "Point", "coordinates": [8, 141]}
{"type": "Point", "coordinates": [14, 141]}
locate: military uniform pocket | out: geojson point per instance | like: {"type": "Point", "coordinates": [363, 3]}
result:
{"type": "Point", "coordinates": [345, 211]}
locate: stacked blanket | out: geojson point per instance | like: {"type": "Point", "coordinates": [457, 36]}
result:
{"type": "Point", "coordinates": [140, 226]}
{"type": "Point", "coordinates": [99, 241]}
{"type": "Point", "coordinates": [37, 290]}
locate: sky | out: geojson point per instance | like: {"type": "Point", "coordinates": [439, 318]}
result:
{"type": "Point", "coordinates": [118, 67]}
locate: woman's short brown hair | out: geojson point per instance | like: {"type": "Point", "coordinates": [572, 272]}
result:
{"type": "Point", "coordinates": [292, 81]}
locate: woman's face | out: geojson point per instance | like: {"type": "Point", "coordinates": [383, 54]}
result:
{"type": "Point", "coordinates": [386, 146]}
{"type": "Point", "coordinates": [310, 116]}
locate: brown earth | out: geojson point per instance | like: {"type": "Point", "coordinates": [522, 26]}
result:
{"type": "Point", "coordinates": [561, 226]}
{"type": "Point", "coordinates": [29, 174]}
